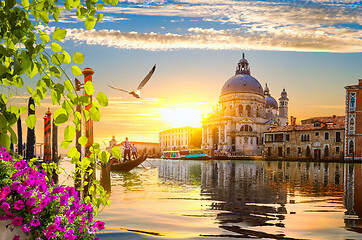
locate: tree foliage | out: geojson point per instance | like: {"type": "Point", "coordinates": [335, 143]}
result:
{"type": "Point", "coordinates": [25, 35]}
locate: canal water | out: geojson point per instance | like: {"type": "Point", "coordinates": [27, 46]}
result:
{"type": "Point", "coordinates": [234, 200]}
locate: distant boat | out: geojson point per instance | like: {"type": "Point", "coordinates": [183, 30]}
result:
{"type": "Point", "coordinates": [128, 166]}
{"type": "Point", "coordinates": [185, 155]}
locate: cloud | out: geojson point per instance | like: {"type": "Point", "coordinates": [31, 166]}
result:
{"type": "Point", "coordinates": [296, 38]}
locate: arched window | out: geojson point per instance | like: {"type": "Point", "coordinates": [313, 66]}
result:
{"type": "Point", "coordinates": [248, 111]}
{"type": "Point", "coordinates": [241, 110]}
{"type": "Point", "coordinates": [302, 137]}
{"type": "Point", "coordinates": [351, 147]}
{"type": "Point", "coordinates": [307, 137]}
{"type": "Point", "coordinates": [326, 151]}
{"type": "Point", "coordinates": [246, 128]}
{"type": "Point", "coordinates": [307, 152]}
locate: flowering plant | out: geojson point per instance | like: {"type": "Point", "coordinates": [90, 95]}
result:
{"type": "Point", "coordinates": [42, 210]}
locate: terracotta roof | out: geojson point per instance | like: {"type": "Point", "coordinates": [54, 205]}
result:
{"type": "Point", "coordinates": [309, 125]}
{"type": "Point", "coordinates": [329, 119]}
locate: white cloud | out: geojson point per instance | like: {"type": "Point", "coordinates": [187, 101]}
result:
{"type": "Point", "coordinates": [286, 38]}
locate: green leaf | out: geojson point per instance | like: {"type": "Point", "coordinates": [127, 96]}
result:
{"type": "Point", "coordinates": [69, 133]}
{"type": "Point", "coordinates": [83, 140]}
{"type": "Point", "coordinates": [114, 2]}
{"type": "Point", "coordinates": [23, 109]}
{"type": "Point", "coordinates": [95, 114]}
{"type": "Point", "coordinates": [67, 58]}
{"type": "Point", "coordinates": [31, 121]}
{"type": "Point", "coordinates": [44, 60]}
{"type": "Point", "coordinates": [76, 70]}
{"type": "Point", "coordinates": [102, 99]}
{"type": "Point", "coordinates": [90, 22]}
{"type": "Point", "coordinates": [32, 107]}
{"type": "Point", "coordinates": [56, 47]}
{"type": "Point", "coordinates": [116, 152]}
{"type": "Point", "coordinates": [89, 88]}
{"type": "Point", "coordinates": [104, 157]}
{"type": "Point", "coordinates": [3, 98]}
{"type": "Point", "coordinates": [72, 152]}
{"type": "Point", "coordinates": [99, 17]}
{"type": "Point", "coordinates": [25, 4]}
{"type": "Point", "coordinates": [65, 144]}
{"type": "Point", "coordinates": [44, 37]}
{"type": "Point", "coordinates": [57, 59]}
{"type": "Point", "coordinates": [33, 71]}
{"type": "Point", "coordinates": [30, 90]}
{"type": "Point", "coordinates": [85, 163]}
{"type": "Point", "coordinates": [60, 116]}
{"type": "Point", "coordinates": [68, 85]}
{"type": "Point", "coordinates": [55, 71]}
{"type": "Point", "coordinates": [78, 58]}
{"type": "Point", "coordinates": [59, 34]}
{"type": "Point", "coordinates": [100, 7]}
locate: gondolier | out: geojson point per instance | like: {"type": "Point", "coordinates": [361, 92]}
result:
{"type": "Point", "coordinates": [127, 150]}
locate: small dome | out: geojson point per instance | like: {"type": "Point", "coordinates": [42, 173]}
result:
{"type": "Point", "coordinates": [243, 60]}
{"type": "Point", "coordinates": [271, 102]}
{"type": "Point", "coordinates": [283, 93]}
{"type": "Point", "coordinates": [242, 83]}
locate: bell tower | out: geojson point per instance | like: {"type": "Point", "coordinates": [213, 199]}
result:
{"type": "Point", "coordinates": [283, 108]}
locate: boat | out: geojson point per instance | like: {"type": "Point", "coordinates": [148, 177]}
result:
{"type": "Point", "coordinates": [185, 155]}
{"type": "Point", "coordinates": [171, 155]}
{"type": "Point", "coordinates": [128, 166]}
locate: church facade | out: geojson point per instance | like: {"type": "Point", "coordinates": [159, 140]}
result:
{"type": "Point", "coordinates": [245, 111]}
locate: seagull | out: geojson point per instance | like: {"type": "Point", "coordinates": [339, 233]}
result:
{"type": "Point", "coordinates": [137, 93]}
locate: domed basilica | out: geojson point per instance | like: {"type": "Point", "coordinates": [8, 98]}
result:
{"type": "Point", "coordinates": [244, 112]}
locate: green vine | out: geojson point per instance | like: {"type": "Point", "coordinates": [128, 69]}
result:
{"type": "Point", "coordinates": [23, 52]}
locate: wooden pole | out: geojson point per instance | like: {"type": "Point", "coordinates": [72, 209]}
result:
{"type": "Point", "coordinates": [55, 157]}
{"type": "Point", "coordinates": [88, 73]}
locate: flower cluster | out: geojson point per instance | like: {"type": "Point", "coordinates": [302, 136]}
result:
{"type": "Point", "coordinates": [42, 210]}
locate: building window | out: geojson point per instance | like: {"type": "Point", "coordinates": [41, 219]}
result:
{"type": "Point", "coordinates": [352, 105]}
{"type": "Point", "coordinates": [337, 150]}
{"type": "Point", "coordinates": [288, 150]}
{"type": "Point", "coordinates": [299, 150]}
{"type": "Point", "coordinates": [326, 151]}
{"type": "Point", "coordinates": [307, 137]}
{"type": "Point", "coordinates": [287, 137]}
{"type": "Point", "coordinates": [338, 137]}
{"type": "Point", "coordinates": [302, 137]}
{"type": "Point", "coordinates": [241, 110]}
{"type": "Point", "coordinates": [317, 124]}
{"type": "Point", "coordinates": [246, 128]}
{"type": "Point", "coordinates": [326, 136]}
{"type": "Point", "coordinates": [351, 124]}
{"type": "Point", "coordinates": [351, 147]}
{"type": "Point", "coordinates": [307, 152]}
{"type": "Point", "coordinates": [248, 111]}
{"type": "Point", "coordinates": [268, 137]}
{"type": "Point", "coordinates": [316, 134]}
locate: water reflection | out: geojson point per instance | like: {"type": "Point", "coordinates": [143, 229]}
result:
{"type": "Point", "coordinates": [239, 199]}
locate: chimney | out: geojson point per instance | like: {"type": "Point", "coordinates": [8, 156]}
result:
{"type": "Point", "coordinates": [294, 121]}
{"type": "Point", "coordinates": [359, 82]}
{"type": "Point", "coordinates": [291, 120]}
{"type": "Point", "coordinates": [334, 120]}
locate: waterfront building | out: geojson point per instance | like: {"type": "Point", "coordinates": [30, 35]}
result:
{"type": "Point", "coordinates": [353, 128]}
{"type": "Point", "coordinates": [152, 149]}
{"type": "Point", "coordinates": [244, 112]}
{"type": "Point", "coordinates": [315, 138]}
{"type": "Point", "coordinates": [182, 138]}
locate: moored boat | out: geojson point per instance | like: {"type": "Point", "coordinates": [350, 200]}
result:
{"type": "Point", "coordinates": [128, 166]}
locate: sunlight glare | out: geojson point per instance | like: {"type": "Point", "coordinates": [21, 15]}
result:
{"type": "Point", "coordinates": [182, 117]}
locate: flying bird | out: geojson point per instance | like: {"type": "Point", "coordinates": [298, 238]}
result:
{"type": "Point", "coordinates": [137, 93]}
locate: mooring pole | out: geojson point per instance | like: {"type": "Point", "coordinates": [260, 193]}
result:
{"type": "Point", "coordinates": [88, 73]}
{"type": "Point", "coordinates": [55, 156]}
{"type": "Point", "coordinates": [47, 134]}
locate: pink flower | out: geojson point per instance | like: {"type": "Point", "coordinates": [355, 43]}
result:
{"type": "Point", "coordinates": [30, 202]}
{"type": "Point", "coordinates": [5, 206]}
{"type": "Point", "coordinates": [35, 222]}
{"type": "Point", "coordinates": [17, 221]}
{"type": "Point", "coordinates": [4, 192]}
{"type": "Point", "coordinates": [52, 228]}
{"type": "Point", "coordinates": [25, 228]}
{"type": "Point", "coordinates": [99, 225]}
{"type": "Point", "coordinates": [16, 237]}
{"type": "Point", "coordinates": [18, 205]}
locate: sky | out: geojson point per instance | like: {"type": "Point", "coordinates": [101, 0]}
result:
{"type": "Point", "coordinates": [311, 48]}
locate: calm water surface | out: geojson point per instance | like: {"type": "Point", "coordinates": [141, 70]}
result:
{"type": "Point", "coordinates": [234, 199]}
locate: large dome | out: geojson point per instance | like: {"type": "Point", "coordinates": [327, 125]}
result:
{"type": "Point", "coordinates": [242, 83]}
{"type": "Point", "coordinates": [271, 102]}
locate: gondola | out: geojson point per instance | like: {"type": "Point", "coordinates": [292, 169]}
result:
{"type": "Point", "coordinates": [128, 166]}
